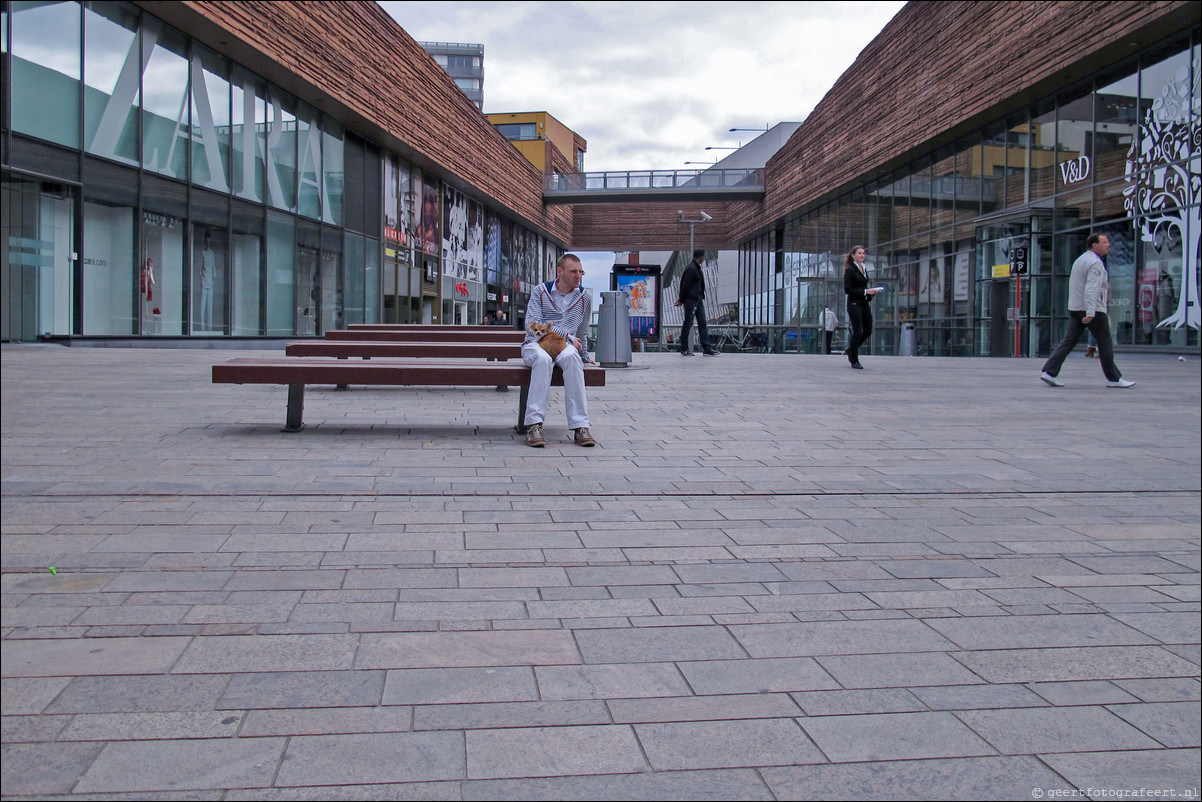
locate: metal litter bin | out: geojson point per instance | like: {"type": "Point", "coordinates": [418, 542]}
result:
{"type": "Point", "coordinates": [908, 347]}
{"type": "Point", "coordinates": [613, 330]}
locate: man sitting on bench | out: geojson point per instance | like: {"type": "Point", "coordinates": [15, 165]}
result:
{"type": "Point", "coordinates": [568, 307]}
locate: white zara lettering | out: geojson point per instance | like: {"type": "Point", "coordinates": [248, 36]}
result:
{"type": "Point", "coordinates": [122, 102]}
{"type": "Point", "coordinates": [310, 173]}
{"type": "Point", "coordinates": [249, 186]}
{"type": "Point", "coordinates": [208, 129]}
{"type": "Point", "coordinates": [275, 134]}
{"type": "Point", "coordinates": [1075, 170]}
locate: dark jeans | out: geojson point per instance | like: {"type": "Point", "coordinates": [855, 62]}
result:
{"type": "Point", "coordinates": [859, 316]}
{"type": "Point", "coordinates": [1099, 327]}
{"type": "Point", "coordinates": [694, 310]}
{"type": "Point", "coordinates": [829, 335]}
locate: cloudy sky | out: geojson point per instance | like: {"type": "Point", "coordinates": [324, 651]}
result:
{"type": "Point", "coordinates": [650, 85]}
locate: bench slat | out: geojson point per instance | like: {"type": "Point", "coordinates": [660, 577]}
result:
{"type": "Point", "coordinates": [495, 335]}
{"type": "Point", "coordinates": [369, 349]}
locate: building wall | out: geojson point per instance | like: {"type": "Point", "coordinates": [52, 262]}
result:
{"type": "Point", "coordinates": [937, 70]}
{"type": "Point", "coordinates": [967, 130]}
{"type": "Point", "coordinates": [353, 55]}
{"type": "Point", "coordinates": [549, 131]}
{"type": "Point", "coordinates": [655, 226]}
{"type": "Point", "coordinates": [255, 173]}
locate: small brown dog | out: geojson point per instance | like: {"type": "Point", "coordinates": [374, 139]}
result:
{"type": "Point", "coordinates": [552, 342]}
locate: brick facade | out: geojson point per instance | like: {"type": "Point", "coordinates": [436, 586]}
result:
{"type": "Point", "coordinates": [941, 69]}
{"type": "Point", "coordinates": [352, 60]}
{"type": "Point", "coordinates": [937, 71]}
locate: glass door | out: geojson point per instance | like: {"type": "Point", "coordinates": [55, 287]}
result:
{"type": "Point", "coordinates": [38, 259]}
{"type": "Point", "coordinates": [1001, 298]}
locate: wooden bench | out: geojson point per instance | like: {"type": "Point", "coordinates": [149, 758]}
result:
{"type": "Point", "coordinates": [296, 373]}
{"type": "Point", "coordinates": [423, 327]}
{"type": "Point", "coordinates": [368, 349]}
{"type": "Point", "coordinates": [439, 334]}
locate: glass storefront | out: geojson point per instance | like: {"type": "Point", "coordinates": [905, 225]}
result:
{"type": "Point", "coordinates": [195, 198]}
{"type": "Point", "coordinates": [1118, 155]}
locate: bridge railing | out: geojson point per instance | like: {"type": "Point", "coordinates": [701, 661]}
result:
{"type": "Point", "coordinates": [745, 178]}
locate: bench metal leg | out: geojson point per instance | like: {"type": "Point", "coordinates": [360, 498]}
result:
{"type": "Point", "coordinates": [523, 397]}
{"type": "Point", "coordinates": [296, 408]}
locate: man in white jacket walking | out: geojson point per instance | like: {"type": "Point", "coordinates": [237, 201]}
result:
{"type": "Point", "coordinates": [1088, 299]}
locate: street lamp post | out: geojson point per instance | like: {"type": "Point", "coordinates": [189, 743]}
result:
{"type": "Point", "coordinates": [702, 218]}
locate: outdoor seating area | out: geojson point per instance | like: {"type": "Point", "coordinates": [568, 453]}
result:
{"type": "Point", "coordinates": [378, 350]}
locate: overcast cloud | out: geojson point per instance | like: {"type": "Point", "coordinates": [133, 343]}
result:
{"type": "Point", "coordinates": [650, 85]}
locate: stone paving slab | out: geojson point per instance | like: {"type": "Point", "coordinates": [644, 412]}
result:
{"type": "Point", "coordinates": [774, 578]}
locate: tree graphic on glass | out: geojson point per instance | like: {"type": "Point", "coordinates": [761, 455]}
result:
{"type": "Point", "coordinates": [1165, 185]}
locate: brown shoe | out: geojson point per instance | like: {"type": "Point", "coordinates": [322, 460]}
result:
{"type": "Point", "coordinates": [534, 435]}
{"type": "Point", "coordinates": [583, 438]}
{"type": "Point", "coordinates": [1091, 351]}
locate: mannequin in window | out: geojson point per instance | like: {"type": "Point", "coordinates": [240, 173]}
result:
{"type": "Point", "coordinates": [208, 264]}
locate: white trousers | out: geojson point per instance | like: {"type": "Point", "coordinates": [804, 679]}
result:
{"type": "Point", "coordinates": [540, 385]}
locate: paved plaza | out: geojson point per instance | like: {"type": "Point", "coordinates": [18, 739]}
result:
{"type": "Point", "coordinates": [775, 578]}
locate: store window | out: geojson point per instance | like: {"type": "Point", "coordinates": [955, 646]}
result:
{"type": "Point", "coordinates": [210, 263]}
{"type": "Point", "coordinates": [282, 264]}
{"type": "Point", "coordinates": [246, 258]}
{"type": "Point", "coordinates": [1074, 141]}
{"type": "Point", "coordinates": [46, 65]}
{"type": "Point", "coordinates": [210, 107]}
{"type": "Point", "coordinates": [310, 177]}
{"type": "Point", "coordinates": [165, 111]}
{"type": "Point", "coordinates": [333, 284]}
{"type": "Point", "coordinates": [119, 289]}
{"type": "Point", "coordinates": [112, 81]}
{"type": "Point", "coordinates": [356, 289]}
{"type": "Point", "coordinates": [248, 109]}
{"type": "Point", "coordinates": [1163, 195]}
{"type": "Point", "coordinates": [308, 278]}
{"type": "Point", "coordinates": [1041, 179]}
{"type": "Point", "coordinates": [281, 150]}
{"type": "Point", "coordinates": [371, 281]}
{"type": "Point", "coordinates": [162, 244]}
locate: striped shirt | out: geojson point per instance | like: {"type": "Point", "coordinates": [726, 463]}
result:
{"type": "Point", "coordinates": [569, 315]}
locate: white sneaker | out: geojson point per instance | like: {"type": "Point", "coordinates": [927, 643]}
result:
{"type": "Point", "coordinates": [1050, 380]}
{"type": "Point", "coordinates": [1120, 383]}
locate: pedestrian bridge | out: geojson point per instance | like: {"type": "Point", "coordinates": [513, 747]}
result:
{"type": "Point", "coordinates": [745, 183]}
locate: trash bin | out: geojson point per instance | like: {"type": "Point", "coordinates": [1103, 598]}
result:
{"type": "Point", "coordinates": [613, 330]}
{"type": "Point", "coordinates": [908, 347]}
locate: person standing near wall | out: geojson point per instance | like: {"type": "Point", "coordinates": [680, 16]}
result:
{"type": "Point", "coordinates": [859, 303]}
{"type": "Point", "coordinates": [1088, 301]}
{"type": "Point", "coordinates": [830, 322]}
{"type": "Point", "coordinates": [692, 298]}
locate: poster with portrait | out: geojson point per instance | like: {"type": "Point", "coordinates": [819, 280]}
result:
{"type": "Point", "coordinates": [474, 247]}
{"type": "Point", "coordinates": [930, 277]}
{"type": "Point", "coordinates": [407, 226]}
{"type": "Point", "coordinates": [492, 250]}
{"type": "Point", "coordinates": [454, 232]}
{"type": "Point", "coordinates": [430, 240]}
{"type": "Point", "coordinates": [641, 285]}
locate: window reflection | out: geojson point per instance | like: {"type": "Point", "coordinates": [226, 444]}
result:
{"type": "Point", "coordinates": [46, 64]}
{"type": "Point", "coordinates": [112, 78]}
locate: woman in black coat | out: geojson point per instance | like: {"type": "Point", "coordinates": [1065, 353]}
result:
{"type": "Point", "coordinates": [859, 308]}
